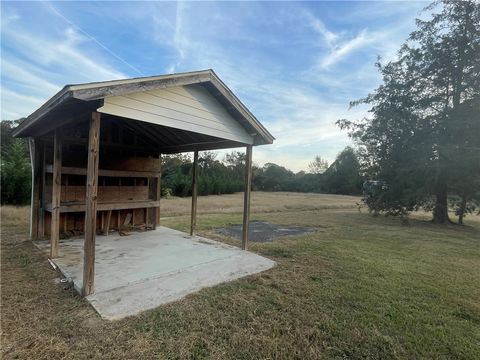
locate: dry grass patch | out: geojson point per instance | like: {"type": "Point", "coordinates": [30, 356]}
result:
{"type": "Point", "coordinates": [359, 287]}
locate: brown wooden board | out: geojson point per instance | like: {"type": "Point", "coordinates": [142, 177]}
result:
{"type": "Point", "coordinates": [91, 206]}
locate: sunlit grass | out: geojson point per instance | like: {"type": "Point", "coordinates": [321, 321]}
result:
{"type": "Point", "coordinates": [358, 287]}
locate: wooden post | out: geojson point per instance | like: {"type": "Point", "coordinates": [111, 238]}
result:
{"type": "Point", "coordinates": [159, 189]}
{"type": "Point", "coordinates": [107, 224]}
{"type": "Point", "coordinates": [193, 220]}
{"type": "Point", "coordinates": [246, 197]}
{"type": "Point", "coordinates": [35, 159]}
{"type": "Point", "coordinates": [91, 205]}
{"type": "Point", "coordinates": [41, 228]}
{"type": "Point", "coordinates": [56, 194]}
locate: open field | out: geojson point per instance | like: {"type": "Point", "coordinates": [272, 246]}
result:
{"type": "Point", "coordinates": [358, 287]}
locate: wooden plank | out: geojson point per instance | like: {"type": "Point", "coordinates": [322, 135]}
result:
{"type": "Point", "coordinates": [193, 219]}
{"type": "Point", "coordinates": [133, 85]}
{"type": "Point", "coordinates": [56, 194]}
{"type": "Point", "coordinates": [35, 157]}
{"type": "Point", "coordinates": [43, 188]}
{"type": "Point", "coordinates": [200, 146]}
{"type": "Point", "coordinates": [91, 205]}
{"type": "Point", "coordinates": [107, 223]}
{"type": "Point", "coordinates": [104, 206]}
{"type": "Point", "coordinates": [246, 198]}
{"type": "Point", "coordinates": [104, 172]}
{"type": "Point", "coordinates": [159, 190]}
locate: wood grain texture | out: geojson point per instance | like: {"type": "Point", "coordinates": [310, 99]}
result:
{"type": "Point", "coordinates": [246, 198]}
{"type": "Point", "coordinates": [193, 218]}
{"type": "Point", "coordinates": [43, 186]}
{"type": "Point", "coordinates": [115, 205]}
{"type": "Point", "coordinates": [91, 205]}
{"type": "Point", "coordinates": [35, 155]}
{"type": "Point", "coordinates": [56, 194]}
{"type": "Point", "coordinates": [159, 190]}
{"type": "Point", "coordinates": [104, 172]}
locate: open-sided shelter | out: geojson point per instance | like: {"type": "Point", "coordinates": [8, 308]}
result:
{"type": "Point", "coordinates": [96, 152]}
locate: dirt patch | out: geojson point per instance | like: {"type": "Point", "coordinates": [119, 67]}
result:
{"type": "Point", "coordinates": [261, 231]}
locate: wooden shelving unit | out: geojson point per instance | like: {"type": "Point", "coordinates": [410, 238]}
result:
{"type": "Point", "coordinates": [68, 170]}
{"type": "Point", "coordinates": [66, 207]}
{"type": "Point", "coordinates": [126, 187]}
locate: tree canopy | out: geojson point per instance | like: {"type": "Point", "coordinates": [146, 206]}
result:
{"type": "Point", "coordinates": [422, 138]}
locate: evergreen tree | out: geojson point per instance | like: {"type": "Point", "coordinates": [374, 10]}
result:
{"type": "Point", "coordinates": [16, 174]}
{"type": "Point", "coordinates": [425, 121]}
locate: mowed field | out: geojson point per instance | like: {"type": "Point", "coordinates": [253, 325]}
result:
{"type": "Point", "coordinates": [358, 287]}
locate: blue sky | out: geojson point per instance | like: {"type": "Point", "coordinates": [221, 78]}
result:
{"type": "Point", "coordinates": [295, 65]}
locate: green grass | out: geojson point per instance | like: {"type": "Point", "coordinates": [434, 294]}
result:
{"type": "Point", "coordinates": [359, 287]}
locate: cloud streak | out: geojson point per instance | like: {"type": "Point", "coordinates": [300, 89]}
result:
{"type": "Point", "coordinates": [295, 65]}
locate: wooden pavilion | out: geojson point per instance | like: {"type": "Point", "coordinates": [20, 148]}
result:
{"type": "Point", "coordinates": [96, 152]}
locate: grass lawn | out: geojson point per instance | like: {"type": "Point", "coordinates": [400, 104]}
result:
{"type": "Point", "coordinates": [358, 287]}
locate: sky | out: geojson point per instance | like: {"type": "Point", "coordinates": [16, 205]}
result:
{"type": "Point", "coordinates": [295, 65]}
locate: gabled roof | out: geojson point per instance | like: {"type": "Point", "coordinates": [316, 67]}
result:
{"type": "Point", "coordinates": [94, 93]}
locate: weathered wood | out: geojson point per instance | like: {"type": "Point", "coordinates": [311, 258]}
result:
{"type": "Point", "coordinates": [246, 197]}
{"type": "Point", "coordinates": [104, 172]}
{"type": "Point", "coordinates": [43, 186]}
{"type": "Point", "coordinates": [193, 219]}
{"type": "Point", "coordinates": [132, 86]}
{"type": "Point", "coordinates": [35, 156]}
{"type": "Point", "coordinates": [200, 146]}
{"type": "Point", "coordinates": [107, 223]}
{"type": "Point", "coordinates": [56, 194]}
{"type": "Point", "coordinates": [159, 189]}
{"type": "Point", "coordinates": [124, 205]}
{"type": "Point", "coordinates": [91, 205]}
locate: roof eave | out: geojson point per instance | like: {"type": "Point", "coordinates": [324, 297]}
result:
{"type": "Point", "coordinates": [56, 100]}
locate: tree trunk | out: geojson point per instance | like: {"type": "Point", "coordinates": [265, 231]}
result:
{"type": "Point", "coordinates": [461, 211]}
{"type": "Point", "coordinates": [440, 212]}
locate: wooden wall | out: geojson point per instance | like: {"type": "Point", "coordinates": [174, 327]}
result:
{"type": "Point", "coordinates": [129, 171]}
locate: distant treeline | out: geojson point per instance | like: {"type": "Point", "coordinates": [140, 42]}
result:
{"type": "Point", "coordinates": [225, 176]}
{"type": "Point", "coordinates": [216, 176]}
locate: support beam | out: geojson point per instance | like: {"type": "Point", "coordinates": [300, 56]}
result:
{"type": "Point", "coordinates": [91, 205]}
{"type": "Point", "coordinates": [246, 197]}
{"type": "Point", "coordinates": [35, 152]}
{"type": "Point", "coordinates": [56, 193]}
{"type": "Point", "coordinates": [43, 193]}
{"type": "Point", "coordinates": [106, 229]}
{"type": "Point", "coordinates": [193, 220]}
{"type": "Point", "coordinates": [159, 189]}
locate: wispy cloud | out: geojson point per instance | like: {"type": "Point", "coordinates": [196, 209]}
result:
{"type": "Point", "coordinates": [91, 37]}
{"type": "Point", "coordinates": [295, 65]}
{"type": "Point", "coordinates": [344, 49]}
{"type": "Point", "coordinates": [319, 27]}
{"type": "Point", "coordinates": [36, 66]}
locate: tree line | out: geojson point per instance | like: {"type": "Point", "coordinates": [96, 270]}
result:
{"type": "Point", "coordinates": [216, 176]}
{"type": "Point", "coordinates": [419, 147]}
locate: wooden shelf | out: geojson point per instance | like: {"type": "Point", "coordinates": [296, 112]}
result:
{"type": "Point", "coordinates": [66, 207]}
{"type": "Point", "coordinates": [68, 170]}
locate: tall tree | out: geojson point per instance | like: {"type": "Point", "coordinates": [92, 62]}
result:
{"type": "Point", "coordinates": [15, 174]}
{"type": "Point", "coordinates": [343, 176]}
{"type": "Point", "coordinates": [425, 115]}
{"type": "Point", "coordinates": [318, 165]}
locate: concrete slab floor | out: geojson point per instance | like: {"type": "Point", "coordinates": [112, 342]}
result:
{"type": "Point", "coordinates": [143, 270]}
